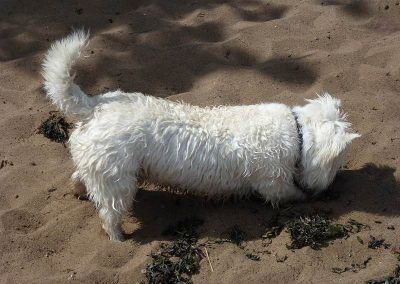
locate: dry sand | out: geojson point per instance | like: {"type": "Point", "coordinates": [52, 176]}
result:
{"type": "Point", "coordinates": [205, 53]}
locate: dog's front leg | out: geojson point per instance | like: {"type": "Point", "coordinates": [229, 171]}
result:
{"type": "Point", "coordinates": [279, 191]}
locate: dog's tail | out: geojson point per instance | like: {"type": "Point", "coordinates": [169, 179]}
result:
{"type": "Point", "coordinates": [58, 82]}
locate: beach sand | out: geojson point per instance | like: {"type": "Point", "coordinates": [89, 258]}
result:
{"type": "Point", "coordinates": [204, 53]}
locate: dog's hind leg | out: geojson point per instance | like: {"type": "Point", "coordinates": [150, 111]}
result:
{"type": "Point", "coordinates": [113, 196]}
{"type": "Point", "coordinates": [116, 202]}
{"type": "Point", "coordinates": [109, 174]}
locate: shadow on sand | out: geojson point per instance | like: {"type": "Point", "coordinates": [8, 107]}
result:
{"type": "Point", "coordinates": [371, 189]}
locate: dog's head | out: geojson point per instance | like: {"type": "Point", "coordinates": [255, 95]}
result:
{"type": "Point", "coordinates": [326, 140]}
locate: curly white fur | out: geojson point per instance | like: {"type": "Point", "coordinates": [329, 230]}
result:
{"type": "Point", "coordinates": [215, 151]}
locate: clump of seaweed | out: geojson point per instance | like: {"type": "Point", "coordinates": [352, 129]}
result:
{"type": "Point", "coordinates": [55, 128]}
{"type": "Point", "coordinates": [354, 226]}
{"type": "Point", "coordinates": [174, 263]}
{"type": "Point", "coordinates": [253, 256]}
{"type": "Point", "coordinates": [177, 262]}
{"type": "Point", "coordinates": [313, 231]}
{"type": "Point", "coordinates": [375, 243]}
{"type": "Point", "coordinates": [237, 236]}
{"type": "Point", "coordinates": [274, 229]}
{"type": "Point", "coordinates": [355, 267]}
{"type": "Point", "coordinates": [391, 279]}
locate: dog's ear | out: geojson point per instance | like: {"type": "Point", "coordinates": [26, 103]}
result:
{"type": "Point", "coordinates": [325, 157]}
{"type": "Point", "coordinates": [344, 140]}
{"type": "Point", "coordinates": [349, 137]}
{"type": "Point", "coordinates": [326, 99]}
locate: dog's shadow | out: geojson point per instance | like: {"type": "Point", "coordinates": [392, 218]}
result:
{"type": "Point", "coordinates": [371, 189]}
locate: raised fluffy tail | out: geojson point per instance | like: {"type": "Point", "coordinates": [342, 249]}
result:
{"type": "Point", "coordinates": [58, 82]}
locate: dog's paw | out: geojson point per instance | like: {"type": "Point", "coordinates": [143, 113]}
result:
{"type": "Point", "coordinates": [117, 237]}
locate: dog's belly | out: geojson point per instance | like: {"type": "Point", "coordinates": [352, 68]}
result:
{"type": "Point", "coordinates": [192, 159]}
{"type": "Point", "coordinates": [205, 172]}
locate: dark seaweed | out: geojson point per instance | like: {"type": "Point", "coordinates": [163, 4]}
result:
{"type": "Point", "coordinates": [273, 230]}
{"type": "Point", "coordinates": [253, 257]}
{"type": "Point", "coordinates": [314, 231]}
{"type": "Point", "coordinates": [55, 128]}
{"type": "Point", "coordinates": [375, 243]}
{"type": "Point", "coordinates": [354, 226]}
{"type": "Point", "coordinates": [391, 279]}
{"type": "Point", "coordinates": [177, 262]}
{"type": "Point", "coordinates": [355, 267]}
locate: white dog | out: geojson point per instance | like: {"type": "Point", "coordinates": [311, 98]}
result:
{"type": "Point", "coordinates": [218, 151]}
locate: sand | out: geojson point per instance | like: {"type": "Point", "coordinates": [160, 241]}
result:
{"type": "Point", "coordinates": [204, 53]}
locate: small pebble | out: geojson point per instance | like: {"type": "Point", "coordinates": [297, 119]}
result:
{"type": "Point", "coordinates": [391, 227]}
{"type": "Point", "coordinates": [281, 258]}
{"type": "Point", "coordinates": [51, 189]}
{"type": "Point", "coordinates": [72, 276]}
